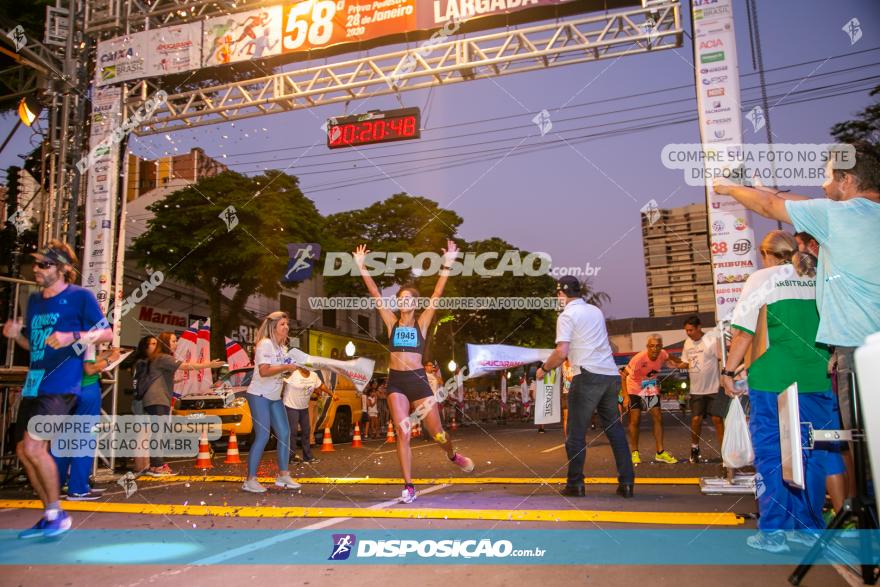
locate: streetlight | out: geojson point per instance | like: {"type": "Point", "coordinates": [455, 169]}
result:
{"type": "Point", "coordinates": [29, 109]}
{"type": "Point", "coordinates": [350, 349]}
{"type": "Point", "coordinates": [452, 366]}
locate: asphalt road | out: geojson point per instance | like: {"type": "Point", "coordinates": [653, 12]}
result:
{"type": "Point", "coordinates": [499, 451]}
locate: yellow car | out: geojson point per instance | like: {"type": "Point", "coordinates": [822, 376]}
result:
{"type": "Point", "coordinates": [227, 400]}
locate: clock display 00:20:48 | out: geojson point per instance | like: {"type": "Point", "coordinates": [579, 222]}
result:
{"type": "Point", "coordinates": [367, 132]}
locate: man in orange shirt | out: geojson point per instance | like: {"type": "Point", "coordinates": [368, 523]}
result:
{"type": "Point", "coordinates": [643, 388]}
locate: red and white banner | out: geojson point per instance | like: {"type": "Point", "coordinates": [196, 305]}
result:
{"type": "Point", "coordinates": [185, 381]}
{"type": "Point", "coordinates": [732, 237]}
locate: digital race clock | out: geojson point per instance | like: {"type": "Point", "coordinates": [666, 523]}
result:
{"type": "Point", "coordinates": [376, 126]}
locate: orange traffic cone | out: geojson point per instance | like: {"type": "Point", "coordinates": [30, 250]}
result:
{"type": "Point", "coordinates": [356, 442]}
{"type": "Point", "coordinates": [327, 444]}
{"type": "Point", "coordinates": [232, 450]}
{"type": "Point", "coordinates": [203, 461]}
{"type": "Point", "coordinates": [453, 426]}
{"type": "Point", "coordinates": [389, 438]}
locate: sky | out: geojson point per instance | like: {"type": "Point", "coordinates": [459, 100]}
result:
{"type": "Point", "coordinates": [579, 202]}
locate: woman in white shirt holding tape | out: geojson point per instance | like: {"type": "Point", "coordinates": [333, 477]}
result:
{"type": "Point", "coordinates": [271, 364]}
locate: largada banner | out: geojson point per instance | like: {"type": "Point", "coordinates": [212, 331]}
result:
{"type": "Point", "coordinates": [304, 26]}
{"type": "Point", "coordinates": [718, 100]}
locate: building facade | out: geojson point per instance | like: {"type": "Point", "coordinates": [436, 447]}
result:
{"type": "Point", "coordinates": [678, 263]}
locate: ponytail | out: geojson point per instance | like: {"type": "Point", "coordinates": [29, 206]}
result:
{"type": "Point", "coordinates": [804, 264]}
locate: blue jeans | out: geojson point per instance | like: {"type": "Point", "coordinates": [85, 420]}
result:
{"type": "Point", "coordinates": [88, 403]}
{"type": "Point", "coordinates": [589, 393]}
{"type": "Point", "coordinates": [781, 506]}
{"type": "Point", "coordinates": [267, 413]}
{"type": "Point", "coordinates": [301, 417]}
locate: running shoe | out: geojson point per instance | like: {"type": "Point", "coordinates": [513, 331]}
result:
{"type": "Point", "coordinates": [665, 457]}
{"type": "Point", "coordinates": [637, 460]}
{"type": "Point", "coordinates": [163, 471]}
{"type": "Point", "coordinates": [463, 462]}
{"type": "Point", "coordinates": [312, 461]}
{"type": "Point", "coordinates": [58, 526]}
{"type": "Point", "coordinates": [286, 482]}
{"type": "Point", "coordinates": [253, 486]}
{"type": "Point", "coordinates": [98, 490]}
{"type": "Point", "coordinates": [90, 496]}
{"type": "Point", "coordinates": [769, 541]}
{"type": "Point", "coordinates": [35, 531]}
{"type": "Point", "coordinates": [408, 495]}
{"type": "Point", "coordinates": [695, 454]}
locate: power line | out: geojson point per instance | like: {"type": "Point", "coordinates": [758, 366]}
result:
{"type": "Point", "coordinates": [339, 184]}
{"type": "Point", "coordinates": [481, 145]}
{"type": "Point", "coordinates": [527, 125]}
{"type": "Point", "coordinates": [592, 102]}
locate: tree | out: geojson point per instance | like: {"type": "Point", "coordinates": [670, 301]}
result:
{"type": "Point", "coordinates": [188, 241]}
{"type": "Point", "coordinates": [401, 223]}
{"type": "Point", "coordinates": [865, 127]}
{"type": "Point", "coordinates": [530, 328]}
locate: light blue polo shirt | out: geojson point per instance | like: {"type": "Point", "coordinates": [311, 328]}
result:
{"type": "Point", "coordinates": [848, 274]}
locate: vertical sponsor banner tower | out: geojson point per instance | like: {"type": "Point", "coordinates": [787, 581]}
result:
{"type": "Point", "coordinates": [732, 237]}
{"type": "Point", "coordinates": [102, 166]}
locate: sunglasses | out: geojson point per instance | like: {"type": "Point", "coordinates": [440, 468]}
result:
{"type": "Point", "coordinates": [45, 264]}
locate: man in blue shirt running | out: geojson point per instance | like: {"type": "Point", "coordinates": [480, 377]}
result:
{"type": "Point", "coordinates": [62, 320]}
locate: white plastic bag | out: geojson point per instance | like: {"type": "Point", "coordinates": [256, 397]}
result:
{"type": "Point", "coordinates": [736, 449]}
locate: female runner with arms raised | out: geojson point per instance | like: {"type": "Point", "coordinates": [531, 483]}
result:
{"type": "Point", "coordinates": [407, 384]}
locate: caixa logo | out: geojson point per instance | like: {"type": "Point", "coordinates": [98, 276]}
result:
{"type": "Point", "coordinates": [343, 544]}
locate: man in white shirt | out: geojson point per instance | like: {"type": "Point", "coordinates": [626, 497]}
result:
{"type": "Point", "coordinates": [701, 353]}
{"type": "Point", "coordinates": [581, 336]}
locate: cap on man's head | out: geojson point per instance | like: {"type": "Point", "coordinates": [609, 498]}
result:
{"type": "Point", "coordinates": [54, 255]}
{"type": "Point", "coordinates": [569, 285]}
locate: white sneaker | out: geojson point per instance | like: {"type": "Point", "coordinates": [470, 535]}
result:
{"type": "Point", "coordinates": [253, 486]}
{"type": "Point", "coordinates": [286, 482]}
{"type": "Point", "coordinates": [408, 495]}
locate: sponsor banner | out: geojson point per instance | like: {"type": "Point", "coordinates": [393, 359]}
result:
{"type": "Point", "coordinates": [301, 26]}
{"type": "Point", "coordinates": [340, 547]}
{"type": "Point", "coordinates": [316, 24]}
{"type": "Point", "coordinates": [359, 370]}
{"type": "Point", "coordinates": [122, 58]}
{"type": "Point", "coordinates": [242, 36]}
{"type": "Point", "coordinates": [174, 49]}
{"type": "Point", "coordinates": [486, 358]}
{"type": "Point", "coordinates": [718, 100]}
{"type": "Point", "coordinates": [548, 407]}
{"type": "Point", "coordinates": [101, 189]}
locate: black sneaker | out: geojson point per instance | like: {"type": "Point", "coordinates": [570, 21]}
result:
{"type": "Point", "coordinates": [695, 454]}
{"type": "Point", "coordinates": [312, 461]}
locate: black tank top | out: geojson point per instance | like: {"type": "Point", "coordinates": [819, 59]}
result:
{"type": "Point", "coordinates": [407, 339]}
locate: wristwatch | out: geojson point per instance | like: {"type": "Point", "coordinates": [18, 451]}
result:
{"type": "Point", "coordinates": [728, 373]}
